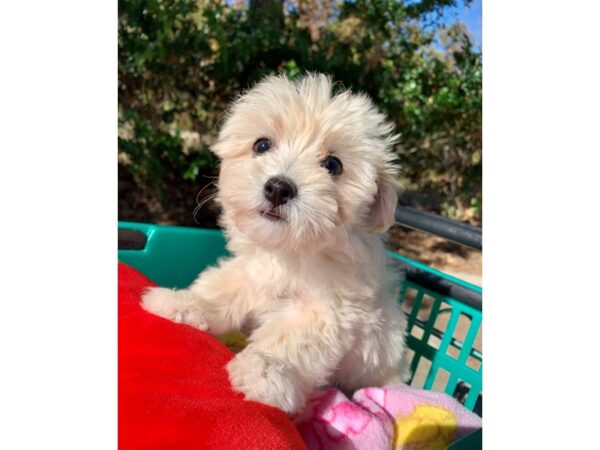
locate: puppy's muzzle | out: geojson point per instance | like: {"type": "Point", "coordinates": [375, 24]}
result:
{"type": "Point", "coordinates": [278, 190]}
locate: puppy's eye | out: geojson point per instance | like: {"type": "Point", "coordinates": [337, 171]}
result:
{"type": "Point", "coordinates": [261, 146]}
{"type": "Point", "coordinates": [333, 165]}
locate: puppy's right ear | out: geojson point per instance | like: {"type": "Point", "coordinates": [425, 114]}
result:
{"type": "Point", "coordinates": [219, 148]}
{"type": "Point", "coordinates": [383, 210]}
{"type": "Point", "coordinates": [226, 147]}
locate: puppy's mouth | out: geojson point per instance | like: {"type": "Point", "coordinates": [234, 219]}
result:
{"type": "Point", "coordinates": [272, 214]}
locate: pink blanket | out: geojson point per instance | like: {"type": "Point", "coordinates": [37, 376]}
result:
{"type": "Point", "coordinates": [392, 417]}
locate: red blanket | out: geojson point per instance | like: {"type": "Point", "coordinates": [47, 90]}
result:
{"type": "Point", "coordinates": [174, 392]}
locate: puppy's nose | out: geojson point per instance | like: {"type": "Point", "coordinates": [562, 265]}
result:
{"type": "Point", "coordinates": [279, 190]}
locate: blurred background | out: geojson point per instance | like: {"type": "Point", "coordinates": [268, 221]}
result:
{"type": "Point", "coordinates": [181, 62]}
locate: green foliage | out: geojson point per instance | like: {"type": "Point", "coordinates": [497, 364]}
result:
{"type": "Point", "coordinates": [182, 61]}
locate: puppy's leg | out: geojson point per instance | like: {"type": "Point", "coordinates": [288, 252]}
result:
{"type": "Point", "coordinates": [381, 357]}
{"type": "Point", "coordinates": [394, 351]}
{"type": "Point", "coordinates": [392, 366]}
{"type": "Point", "coordinates": [181, 306]}
{"type": "Point", "coordinates": [290, 354]}
{"type": "Point", "coordinates": [210, 303]}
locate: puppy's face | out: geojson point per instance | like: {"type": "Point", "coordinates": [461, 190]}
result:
{"type": "Point", "coordinates": [301, 167]}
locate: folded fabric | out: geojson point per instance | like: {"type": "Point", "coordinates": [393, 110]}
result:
{"type": "Point", "coordinates": [174, 391]}
{"type": "Point", "coordinates": [391, 417]}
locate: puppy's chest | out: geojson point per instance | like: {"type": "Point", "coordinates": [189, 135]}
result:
{"type": "Point", "coordinates": [301, 288]}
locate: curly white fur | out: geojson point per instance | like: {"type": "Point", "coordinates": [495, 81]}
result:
{"type": "Point", "coordinates": [314, 291]}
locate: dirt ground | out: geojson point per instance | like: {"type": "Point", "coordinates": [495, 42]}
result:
{"type": "Point", "coordinates": [454, 259]}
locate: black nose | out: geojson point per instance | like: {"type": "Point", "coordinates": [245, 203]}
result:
{"type": "Point", "coordinates": [279, 190]}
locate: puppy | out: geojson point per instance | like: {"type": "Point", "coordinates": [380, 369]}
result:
{"type": "Point", "coordinates": [307, 187]}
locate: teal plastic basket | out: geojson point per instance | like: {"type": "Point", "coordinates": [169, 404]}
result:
{"type": "Point", "coordinates": [444, 328]}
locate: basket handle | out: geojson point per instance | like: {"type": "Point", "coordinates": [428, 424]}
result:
{"type": "Point", "coordinates": [131, 239]}
{"type": "Point", "coordinates": [452, 230]}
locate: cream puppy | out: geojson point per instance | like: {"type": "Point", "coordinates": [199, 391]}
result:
{"type": "Point", "coordinates": [307, 187]}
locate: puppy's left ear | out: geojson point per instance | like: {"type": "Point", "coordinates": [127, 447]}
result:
{"type": "Point", "coordinates": [382, 213]}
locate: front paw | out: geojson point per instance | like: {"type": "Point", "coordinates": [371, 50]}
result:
{"type": "Point", "coordinates": [266, 380]}
{"type": "Point", "coordinates": [178, 306]}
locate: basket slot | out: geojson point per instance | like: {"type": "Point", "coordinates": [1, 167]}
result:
{"type": "Point", "coordinates": [131, 239]}
{"type": "Point", "coordinates": [417, 332]}
{"type": "Point", "coordinates": [423, 371]}
{"type": "Point", "coordinates": [434, 339]}
{"type": "Point", "coordinates": [440, 381]}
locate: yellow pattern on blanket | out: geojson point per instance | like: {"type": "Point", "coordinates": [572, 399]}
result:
{"type": "Point", "coordinates": [427, 428]}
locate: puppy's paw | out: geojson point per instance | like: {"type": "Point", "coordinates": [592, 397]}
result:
{"type": "Point", "coordinates": [178, 306]}
{"type": "Point", "coordinates": [265, 380]}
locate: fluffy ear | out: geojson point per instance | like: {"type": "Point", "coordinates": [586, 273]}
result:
{"type": "Point", "coordinates": [381, 215]}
